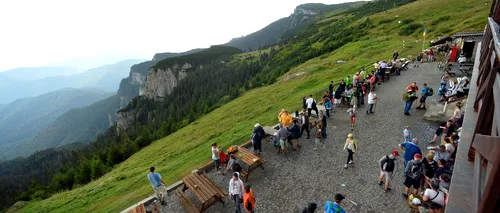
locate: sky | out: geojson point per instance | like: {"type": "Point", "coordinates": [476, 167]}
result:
{"type": "Point", "coordinates": [79, 33]}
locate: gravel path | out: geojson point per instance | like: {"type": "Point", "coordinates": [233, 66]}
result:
{"type": "Point", "coordinates": [288, 183]}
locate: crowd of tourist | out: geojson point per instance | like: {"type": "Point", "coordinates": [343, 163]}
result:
{"type": "Point", "coordinates": [432, 172]}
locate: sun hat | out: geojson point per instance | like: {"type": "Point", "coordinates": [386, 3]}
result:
{"type": "Point", "coordinates": [257, 125]}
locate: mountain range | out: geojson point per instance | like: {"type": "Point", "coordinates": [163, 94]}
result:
{"type": "Point", "coordinates": [31, 82]}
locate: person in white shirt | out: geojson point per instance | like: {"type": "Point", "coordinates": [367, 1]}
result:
{"type": "Point", "coordinates": [434, 195]}
{"type": "Point", "coordinates": [311, 105]}
{"type": "Point", "coordinates": [236, 191]}
{"type": "Point", "coordinates": [372, 99]}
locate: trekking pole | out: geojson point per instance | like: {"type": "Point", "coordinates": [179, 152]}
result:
{"type": "Point", "coordinates": [374, 106]}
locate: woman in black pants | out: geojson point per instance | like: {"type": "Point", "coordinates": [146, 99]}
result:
{"type": "Point", "coordinates": [351, 146]}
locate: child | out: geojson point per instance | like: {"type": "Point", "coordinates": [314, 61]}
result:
{"type": "Point", "coordinates": [318, 136]}
{"type": "Point", "coordinates": [407, 134]}
{"type": "Point", "coordinates": [352, 115]}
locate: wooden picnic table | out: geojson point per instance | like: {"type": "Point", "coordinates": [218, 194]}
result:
{"type": "Point", "coordinates": [251, 160]}
{"type": "Point", "coordinates": [206, 191]}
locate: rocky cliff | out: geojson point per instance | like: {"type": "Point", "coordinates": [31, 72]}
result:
{"type": "Point", "coordinates": [161, 82]}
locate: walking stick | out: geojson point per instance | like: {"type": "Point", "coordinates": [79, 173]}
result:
{"type": "Point", "coordinates": [374, 106]}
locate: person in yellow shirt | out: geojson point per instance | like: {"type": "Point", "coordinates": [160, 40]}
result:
{"type": "Point", "coordinates": [285, 118]}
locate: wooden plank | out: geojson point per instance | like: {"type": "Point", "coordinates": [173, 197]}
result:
{"type": "Point", "coordinates": [202, 187]}
{"type": "Point", "coordinates": [141, 208]}
{"type": "Point", "coordinates": [198, 190]}
{"type": "Point", "coordinates": [190, 185]}
{"type": "Point", "coordinates": [186, 202]}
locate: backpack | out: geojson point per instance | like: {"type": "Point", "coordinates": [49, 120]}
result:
{"type": "Point", "coordinates": [338, 209]}
{"type": "Point", "coordinates": [415, 171]}
{"type": "Point", "coordinates": [237, 167]}
{"type": "Point", "coordinates": [390, 164]}
{"type": "Point", "coordinates": [430, 92]}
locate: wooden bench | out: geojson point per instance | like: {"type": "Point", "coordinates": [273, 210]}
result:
{"type": "Point", "coordinates": [206, 191]}
{"type": "Point", "coordinates": [185, 201]}
{"type": "Point", "coordinates": [253, 161]}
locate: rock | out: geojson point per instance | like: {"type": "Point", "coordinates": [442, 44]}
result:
{"type": "Point", "coordinates": [161, 82]}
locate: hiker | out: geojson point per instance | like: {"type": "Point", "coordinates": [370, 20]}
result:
{"type": "Point", "coordinates": [361, 95]}
{"type": "Point", "coordinates": [447, 127]}
{"type": "Point", "coordinates": [435, 196]}
{"type": "Point", "coordinates": [442, 168]}
{"type": "Point", "coordinates": [342, 85]}
{"type": "Point", "coordinates": [352, 146]}
{"type": "Point", "coordinates": [338, 96]}
{"type": "Point", "coordinates": [388, 166]}
{"type": "Point", "coordinates": [348, 82]}
{"type": "Point", "coordinates": [354, 96]}
{"type": "Point", "coordinates": [382, 70]}
{"type": "Point", "coordinates": [414, 173]}
{"type": "Point", "coordinates": [372, 98]}
{"type": "Point", "coordinates": [407, 134]}
{"type": "Point", "coordinates": [257, 135]}
{"type": "Point", "coordinates": [409, 98]}
{"type": "Point", "coordinates": [304, 104]}
{"type": "Point", "coordinates": [295, 130]}
{"type": "Point", "coordinates": [322, 119]}
{"type": "Point", "coordinates": [413, 87]}
{"type": "Point", "coordinates": [158, 185]}
{"type": "Point", "coordinates": [285, 118]}
{"type": "Point", "coordinates": [233, 164]}
{"type": "Point", "coordinates": [395, 55]}
{"type": "Point", "coordinates": [410, 149]}
{"type": "Point", "coordinates": [334, 207]}
{"type": "Point", "coordinates": [330, 87]}
{"type": "Point", "coordinates": [283, 136]}
{"type": "Point", "coordinates": [249, 200]}
{"type": "Point", "coordinates": [236, 191]}
{"type": "Point", "coordinates": [311, 105]}
{"type": "Point", "coordinates": [215, 156]}
{"type": "Point", "coordinates": [457, 115]}
{"type": "Point", "coordinates": [311, 208]}
{"type": "Point", "coordinates": [304, 124]}
{"type": "Point", "coordinates": [430, 55]}
{"type": "Point", "coordinates": [318, 135]}
{"type": "Point", "coordinates": [441, 153]}
{"type": "Point", "coordinates": [328, 107]}
{"type": "Point", "coordinates": [430, 165]}
{"type": "Point", "coordinates": [426, 92]}
{"type": "Point", "coordinates": [352, 116]}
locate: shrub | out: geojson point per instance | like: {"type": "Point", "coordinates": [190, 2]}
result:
{"type": "Point", "coordinates": [410, 29]}
{"type": "Point", "coordinates": [383, 21]}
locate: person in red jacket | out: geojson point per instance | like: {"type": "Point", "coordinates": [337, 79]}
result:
{"type": "Point", "coordinates": [248, 200]}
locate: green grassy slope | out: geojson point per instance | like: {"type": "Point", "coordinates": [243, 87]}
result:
{"type": "Point", "coordinates": [180, 153]}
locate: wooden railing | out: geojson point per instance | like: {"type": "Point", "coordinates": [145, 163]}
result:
{"type": "Point", "coordinates": [485, 144]}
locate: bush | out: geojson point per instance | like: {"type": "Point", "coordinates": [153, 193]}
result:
{"type": "Point", "coordinates": [440, 19]}
{"type": "Point", "coordinates": [406, 21]}
{"type": "Point", "coordinates": [410, 29]}
{"type": "Point", "coordinates": [383, 21]}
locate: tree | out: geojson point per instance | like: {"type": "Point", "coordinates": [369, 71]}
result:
{"type": "Point", "coordinates": [97, 168]}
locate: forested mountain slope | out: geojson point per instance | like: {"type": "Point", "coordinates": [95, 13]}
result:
{"type": "Point", "coordinates": [23, 118]}
{"type": "Point", "coordinates": [302, 16]}
{"type": "Point", "coordinates": [359, 36]}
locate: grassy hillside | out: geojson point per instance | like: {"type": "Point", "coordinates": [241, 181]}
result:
{"type": "Point", "coordinates": [180, 153]}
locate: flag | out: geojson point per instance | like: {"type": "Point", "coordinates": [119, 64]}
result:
{"type": "Point", "coordinates": [425, 32]}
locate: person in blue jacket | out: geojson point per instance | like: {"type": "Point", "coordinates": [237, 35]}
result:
{"type": "Point", "coordinates": [257, 135]}
{"type": "Point", "coordinates": [295, 130]}
{"type": "Point", "coordinates": [334, 207]}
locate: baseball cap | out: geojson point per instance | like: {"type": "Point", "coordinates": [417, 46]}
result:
{"type": "Point", "coordinates": [395, 152]}
{"type": "Point", "coordinates": [339, 197]}
{"type": "Point", "coordinates": [417, 155]}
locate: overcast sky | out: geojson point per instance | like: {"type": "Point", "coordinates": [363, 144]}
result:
{"type": "Point", "coordinates": [44, 32]}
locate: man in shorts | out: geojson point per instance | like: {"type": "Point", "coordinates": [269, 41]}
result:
{"type": "Point", "coordinates": [158, 185]}
{"type": "Point", "coordinates": [414, 173]}
{"type": "Point", "coordinates": [388, 166]}
{"type": "Point", "coordinates": [283, 136]}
